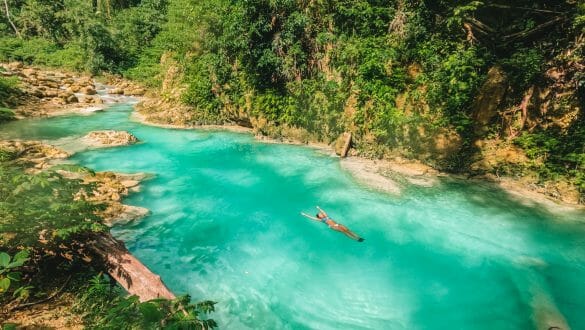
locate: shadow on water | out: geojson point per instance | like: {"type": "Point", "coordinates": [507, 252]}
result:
{"type": "Point", "coordinates": [547, 284]}
{"type": "Point", "coordinates": [487, 195]}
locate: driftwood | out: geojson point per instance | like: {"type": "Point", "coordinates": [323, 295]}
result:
{"type": "Point", "coordinates": [480, 26]}
{"type": "Point", "coordinates": [128, 271]}
{"type": "Point", "coordinates": [346, 145]}
{"type": "Point", "coordinates": [525, 34]}
{"type": "Point", "coordinates": [476, 29]}
{"type": "Point", "coordinates": [482, 30]}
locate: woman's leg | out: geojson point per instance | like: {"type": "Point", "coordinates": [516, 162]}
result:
{"type": "Point", "coordinates": [346, 231]}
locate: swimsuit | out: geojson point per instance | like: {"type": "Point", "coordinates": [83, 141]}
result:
{"type": "Point", "coordinates": [324, 220]}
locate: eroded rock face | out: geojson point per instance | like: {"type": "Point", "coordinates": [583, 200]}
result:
{"type": "Point", "coordinates": [102, 139]}
{"type": "Point", "coordinates": [496, 154]}
{"type": "Point", "coordinates": [490, 96]}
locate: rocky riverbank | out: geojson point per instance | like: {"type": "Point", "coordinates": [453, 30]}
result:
{"type": "Point", "coordinates": [47, 92]}
{"type": "Point", "coordinates": [109, 188]}
{"type": "Point", "coordinates": [57, 88]}
{"type": "Point", "coordinates": [43, 93]}
{"type": "Point", "coordinates": [505, 158]}
{"type": "Point", "coordinates": [391, 174]}
{"type": "Point", "coordinates": [102, 188]}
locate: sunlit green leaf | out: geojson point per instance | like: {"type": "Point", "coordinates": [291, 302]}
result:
{"type": "Point", "coordinates": [4, 259]}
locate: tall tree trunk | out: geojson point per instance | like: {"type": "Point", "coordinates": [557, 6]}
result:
{"type": "Point", "coordinates": [10, 20]}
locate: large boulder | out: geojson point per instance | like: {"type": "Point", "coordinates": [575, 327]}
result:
{"type": "Point", "coordinates": [65, 94]}
{"type": "Point", "coordinates": [15, 66]}
{"type": "Point", "coordinates": [68, 81]}
{"type": "Point", "coordinates": [68, 97]}
{"type": "Point", "coordinates": [101, 139]}
{"type": "Point", "coordinates": [134, 91]}
{"type": "Point", "coordinates": [91, 99]}
{"type": "Point", "coordinates": [49, 82]}
{"type": "Point", "coordinates": [116, 91]}
{"type": "Point", "coordinates": [342, 144]}
{"type": "Point", "coordinates": [71, 99]}
{"type": "Point", "coordinates": [88, 90]}
{"type": "Point", "coordinates": [51, 93]}
{"type": "Point", "coordinates": [125, 214]}
{"type": "Point", "coordinates": [30, 72]}
{"type": "Point", "coordinates": [36, 92]}
{"type": "Point", "coordinates": [74, 88]}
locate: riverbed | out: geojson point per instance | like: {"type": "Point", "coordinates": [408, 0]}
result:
{"type": "Point", "coordinates": [226, 226]}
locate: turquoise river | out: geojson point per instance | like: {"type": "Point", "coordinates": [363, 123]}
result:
{"type": "Point", "coordinates": [225, 226]}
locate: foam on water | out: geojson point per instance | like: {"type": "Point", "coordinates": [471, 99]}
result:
{"type": "Point", "coordinates": [225, 226]}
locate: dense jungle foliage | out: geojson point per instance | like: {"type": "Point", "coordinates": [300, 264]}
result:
{"type": "Point", "coordinates": [404, 77]}
{"type": "Point", "coordinates": [400, 75]}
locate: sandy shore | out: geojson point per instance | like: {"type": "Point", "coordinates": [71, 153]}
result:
{"type": "Point", "coordinates": [390, 175]}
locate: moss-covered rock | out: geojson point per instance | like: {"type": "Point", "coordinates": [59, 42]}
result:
{"type": "Point", "coordinates": [6, 115]}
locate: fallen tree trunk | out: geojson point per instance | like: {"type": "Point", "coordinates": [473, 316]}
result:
{"type": "Point", "coordinates": [346, 145]}
{"type": "Point", "coordinates": [480, 26]}
{"type": "Point", "coordinates": [526, 34]}
{"type": "Point", "coordinates": [128, 271]}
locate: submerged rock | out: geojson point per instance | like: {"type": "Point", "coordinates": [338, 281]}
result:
{"type": "Point", "coordinates": [101, 139]}
{"type": "Point", "coordinates": [123, 214]}
{"type": "Point", "coordinates": [368, 172]}
{"type": "Point", "coordinates": [110, 188]}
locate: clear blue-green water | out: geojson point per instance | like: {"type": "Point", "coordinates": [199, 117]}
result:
{"type": "Point", "coordinates": [225, 226]}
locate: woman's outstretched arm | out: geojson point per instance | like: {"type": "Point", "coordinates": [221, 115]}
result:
{"type": "Point", "coordinates": [321, 210]}
{"type": "Point", "coordinates": [310, 217]}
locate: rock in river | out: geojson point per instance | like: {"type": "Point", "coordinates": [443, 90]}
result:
{"type": "Point", "coordinates": [101, 139]}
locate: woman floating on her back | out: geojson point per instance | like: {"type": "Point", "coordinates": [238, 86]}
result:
{"type": "Point", "coordinates": [323, 217]}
